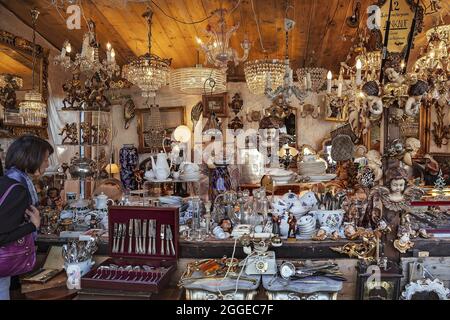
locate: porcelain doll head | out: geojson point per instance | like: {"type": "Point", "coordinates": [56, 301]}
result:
{"type": "Point", "coordinates": [412, 144]}
{"type": "Point", "coordinates": [397, 182]}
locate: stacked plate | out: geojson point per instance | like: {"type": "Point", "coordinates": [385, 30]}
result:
{"type": "Point", "coordinates": [280, 175]}
{"type": "Point", "coordinates": [306, 226]}
{"type": "Point", "coordinates": [323, 177]}
{"type": "Point", "coordinates": [171, 200]}
{"type": "Point", "coordinates": [312, 168]}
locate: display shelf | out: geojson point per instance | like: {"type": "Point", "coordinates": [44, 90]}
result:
{"type": "Point", "coordinates": [82, 145]}
{"type": "Point", "coordinates": [176, 181]}
{"type": "Point", "coordinates": [85, 111]}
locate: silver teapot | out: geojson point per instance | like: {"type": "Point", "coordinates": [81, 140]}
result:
{"type": "Point", "coordinates": [81, 168]}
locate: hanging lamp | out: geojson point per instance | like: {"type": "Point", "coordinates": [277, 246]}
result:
{"type": "Point", "coordinates": [32, 109]}
{"type": "Point", "coordinates": [149, 72]}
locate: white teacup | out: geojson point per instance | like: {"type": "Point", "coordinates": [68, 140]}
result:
{"type": "Point", "coordinates": [190, 167]}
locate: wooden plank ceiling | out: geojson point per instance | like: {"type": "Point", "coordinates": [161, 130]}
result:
{"type": "Point", "coordinates": [321, 36]}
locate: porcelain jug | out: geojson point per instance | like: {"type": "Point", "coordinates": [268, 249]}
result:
{"type": "Point", "coordinates": [101, 201]}
{"type": "Point", "coordinates": [161, 168]}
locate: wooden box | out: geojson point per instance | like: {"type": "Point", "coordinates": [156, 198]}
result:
{"type": "Point", "coordinates": [155, 269]}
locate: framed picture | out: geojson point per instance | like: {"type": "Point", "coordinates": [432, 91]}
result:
{"type": "Point", "coordinates": [151, 140]}
{"type": "Point", "coordinates": [336, 109]}
{"type": "Point", "coordinates": [216, 103]}
{"type": "Point", "coordinates": [369, 287]}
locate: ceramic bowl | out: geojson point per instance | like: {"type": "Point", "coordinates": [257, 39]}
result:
{"type": "Point", "coordinates": [190, 167]}
{"type": "Point", "coordinates": [290, 198]}
{"type": "Point", "coordinates": [297, 211]}
{"type": "Point", "coordinates": [330, 220]}
{"type": "Point", "coordinates": [308, 200]}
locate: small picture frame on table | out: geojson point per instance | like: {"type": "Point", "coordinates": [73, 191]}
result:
{"type": "Point", "coordinates": [216, 103]}
{"type": "Point", "coordinates": [376, 284]}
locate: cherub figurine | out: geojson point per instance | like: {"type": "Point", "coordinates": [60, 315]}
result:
{"type": "Point", "coordinates": [71, 133]}
{"type": "Point", "coordinates": [396, 198]}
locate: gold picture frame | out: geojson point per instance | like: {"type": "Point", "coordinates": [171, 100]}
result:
{"type": "Point", "coordinates": [336, 109]}
{"type": "Point", "coordinates": [171, 117]}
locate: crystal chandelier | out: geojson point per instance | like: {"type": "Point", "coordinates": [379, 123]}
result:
{"type": "Point", "coordinates": [370, 64]}
{"type": "Point", "coordinates": [149, 72]}
{"type": "Point", "coordinates": [434, 65]}
{"type": "Point", "coordinates": [313, 77]}
{"type": "Point", "coordinates": [217, 50]}
{"type": "Point", "coordinates": [32, 109]}
{"type": "Point", "coordinates": [195, 80]}
{"type": "Point", "coordinates": [287, 89]}
{"type": "Point", "coordinates": [88, 60]}
{"type": "Point", "coordinates": [260, 72]}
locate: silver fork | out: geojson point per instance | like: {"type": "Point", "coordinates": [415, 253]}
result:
{"type": "Point", "coordinates": [162, 235]}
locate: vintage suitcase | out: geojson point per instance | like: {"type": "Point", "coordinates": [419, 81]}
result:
{"type": "Point", "coordinates": [143, 246]}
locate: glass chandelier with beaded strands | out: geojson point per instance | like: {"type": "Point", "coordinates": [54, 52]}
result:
{"type": "Point", "coordinates": [192, 80]}
{"type": "Point", "coordinates": [149, 72]}
{"type": "Point", "coordinates": [32, 109]}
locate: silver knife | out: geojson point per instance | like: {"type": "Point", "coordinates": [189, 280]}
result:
{"type": "Point", "coordinates": [154, 223]}
{"type": "Point", "coordinates": [162, 234]}
{"type": "Point", "coordinates": [130, 235]}
{"type": "Point", "coordinates": [114, 237]}
{"type": "Point", "coordinates": [119, 237]}
{"type": "Point", "coordinates": [150, 228]}
{"type": "Point", "coordinates": [136, 236]}
{"type": "Point", "coordinates": [144, 229]}
{"type": "Point", "coordinates": [124, 232]}
{"type": "Point", "coordinates": [170, 238]}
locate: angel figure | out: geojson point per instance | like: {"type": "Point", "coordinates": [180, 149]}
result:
{"type": "Point", "coordinates": [388, 204]}
{"type": "Point", "coordinates": [396, 198]}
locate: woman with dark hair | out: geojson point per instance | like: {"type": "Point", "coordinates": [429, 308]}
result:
{"type": "Point", "coordinates": [25, 158]}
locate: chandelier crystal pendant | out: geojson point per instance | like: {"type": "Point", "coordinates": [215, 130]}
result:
{"type": "Point", "coordinates": [149, 72]}
{"type": "Point", "coordinates": [32, 109]}
{"type": "Point", "coordinates": [88, 61]}
{"type": "Point", "coordinates": [217, 49]}
{"type": "Point", "coordinates": [260, 72]}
